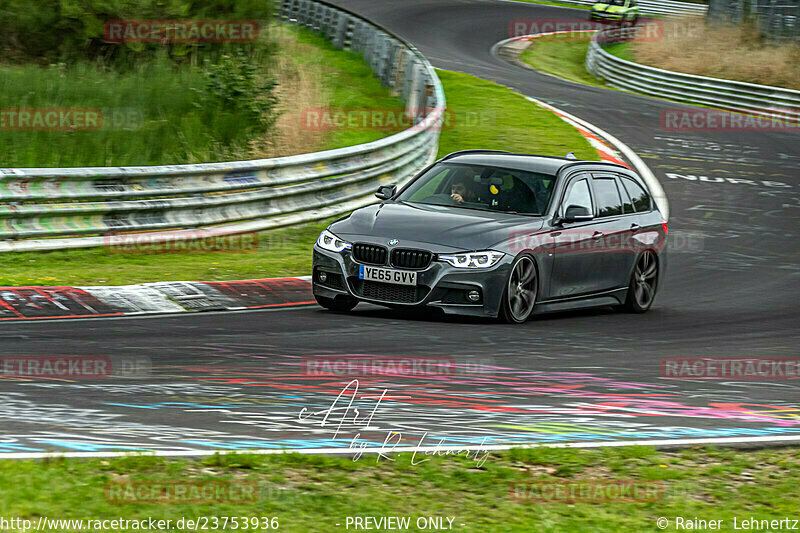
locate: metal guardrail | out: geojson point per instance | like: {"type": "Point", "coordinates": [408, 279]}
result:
{"type": "Point", "coordinates": [759, 100]}
{"type": "Point", "coordinates": [239, 196]}
{"type": "Point", "coordinates": [652, 7]}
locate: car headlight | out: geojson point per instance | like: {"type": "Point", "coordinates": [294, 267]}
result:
{"type": "Point", "coordinates": [485, 259]}
{"type": "Point", "coordinates": [329, 241]}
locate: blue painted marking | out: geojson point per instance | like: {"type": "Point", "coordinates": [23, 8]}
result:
{"type": "Point", "coordinates": [18, 448]}
{"type": "Point", "coordinates": [87, 446]}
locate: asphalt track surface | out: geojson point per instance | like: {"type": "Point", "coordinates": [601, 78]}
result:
{"type": "Point", "coordinates": [222, 381]}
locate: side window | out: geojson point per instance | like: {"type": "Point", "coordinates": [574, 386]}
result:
{"type": "Point", "coordinates": [579, 195]}
{"type": "Point", "coordinates": [609, 202]}
{"type": "Point", "coordinates": [639, 197]}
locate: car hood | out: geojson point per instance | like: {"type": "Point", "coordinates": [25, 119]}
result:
{"type": "Point", "coordinates": [608, 8]}
{"type": "Point", "coordinates": [447, 228]}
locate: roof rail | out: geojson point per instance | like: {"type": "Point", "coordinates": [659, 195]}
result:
{"type": "Point", "coordinates": [460, 152]}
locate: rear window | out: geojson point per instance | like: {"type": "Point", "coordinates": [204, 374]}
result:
{"type": "Point", "coordinates": [639, 197]}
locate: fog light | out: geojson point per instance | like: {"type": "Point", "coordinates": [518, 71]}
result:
{"type": "Point", "coordinates": [474, 296]}
{"type": "Point", "coordinates": [322, 277]}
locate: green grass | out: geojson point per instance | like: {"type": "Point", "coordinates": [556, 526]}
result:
{"type": "Point", "coordinates": [314, 493]}
{"type": "Point", "coordinates": [149, 115]}
{"type": "Point", "coordinates": [487, 115]}
{"type": "Point", "coordinates": [621, 50]}
{"type": "Point", "coordinates": [282, 252]}
{"type": "Point", "coordinates": [563, 56]}
{"type": "Point", "coordinates": [348, 82]}
{"type": "Point", "coordinates": [150, 110]}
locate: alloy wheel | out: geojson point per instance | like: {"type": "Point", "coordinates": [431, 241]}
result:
{"type": "Point", "coordinates": [521, 290]}
{"type": "Point", "coordinates": [645, 277]}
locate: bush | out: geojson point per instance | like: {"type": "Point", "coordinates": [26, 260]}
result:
{"type": "Point", "coordinates": [233, 88]}
{"type": "Point", "coordinates": [67, 30]}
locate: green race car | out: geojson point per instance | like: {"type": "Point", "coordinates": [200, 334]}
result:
{"type": "Point", "coordinates": [615, 11]}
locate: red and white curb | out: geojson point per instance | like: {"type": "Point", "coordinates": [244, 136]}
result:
{"type": "Point", "coordinates": [163, 297]}
{"type": "Point", "coordinates": [604, 150]}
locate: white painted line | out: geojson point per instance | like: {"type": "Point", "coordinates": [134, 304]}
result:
{"type": "Point", "coordinates": [142, 316]}
{"type": "Point", "coordinates": [478, 447]}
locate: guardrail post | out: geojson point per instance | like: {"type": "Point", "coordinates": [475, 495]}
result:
{"type": "Point", "coordinates": [398, 70]}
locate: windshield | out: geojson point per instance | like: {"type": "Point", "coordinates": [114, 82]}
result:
{"type": "Point", "coordinates": [482, 187]}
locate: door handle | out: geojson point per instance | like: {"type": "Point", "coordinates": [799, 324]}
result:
{"type": "Point", "coordinates": [597, 234]}
{"type": "Point", "coordinates": [634, 226]}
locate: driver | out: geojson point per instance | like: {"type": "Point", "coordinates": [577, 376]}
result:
{"type": "Point", "coordinates": [460, 194]}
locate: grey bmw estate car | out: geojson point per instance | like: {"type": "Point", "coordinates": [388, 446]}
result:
{"type": "Point", "coordinates": [495, 234]}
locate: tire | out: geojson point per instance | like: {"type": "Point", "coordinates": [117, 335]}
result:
{"type": "Point", "coordinates": [644, 284]}
{"type": "Point", "coordinates": [522, 287]}
{"type": "Point", "coordinates": [341, 304]}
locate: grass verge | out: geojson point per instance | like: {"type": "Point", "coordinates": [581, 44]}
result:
{"type": "Point", "coordinates": [563, 56]}
{"type": "Point", "coordinates": [313, 74]}
{"type": "Point", "coordinates": [150, 113]}
{"type": "Point", "coordinates": [729, 52]}
{"type": "Point", "coordinates": [315, 493]}
{"type": "Point", "coordinates": [689, 46]}
{"type": "Point", "coordinates": [145, 115]}
{"type": "Point", "coordinates": [486, 115]}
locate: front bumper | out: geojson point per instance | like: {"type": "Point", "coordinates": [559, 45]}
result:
{"type": "Point", "coordinates": [438, 286]}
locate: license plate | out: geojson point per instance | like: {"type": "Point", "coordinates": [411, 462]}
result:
{"type": "Point", "coordinates": [387, 275]}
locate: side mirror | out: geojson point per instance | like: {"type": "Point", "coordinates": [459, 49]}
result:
{"type": "Point", "coordinates": [577, 213]}
{"type": "Point", "coordinates": [385, 192]}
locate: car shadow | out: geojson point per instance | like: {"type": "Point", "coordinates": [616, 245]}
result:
{"type": "Point", "coordinates": [438, 316]}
